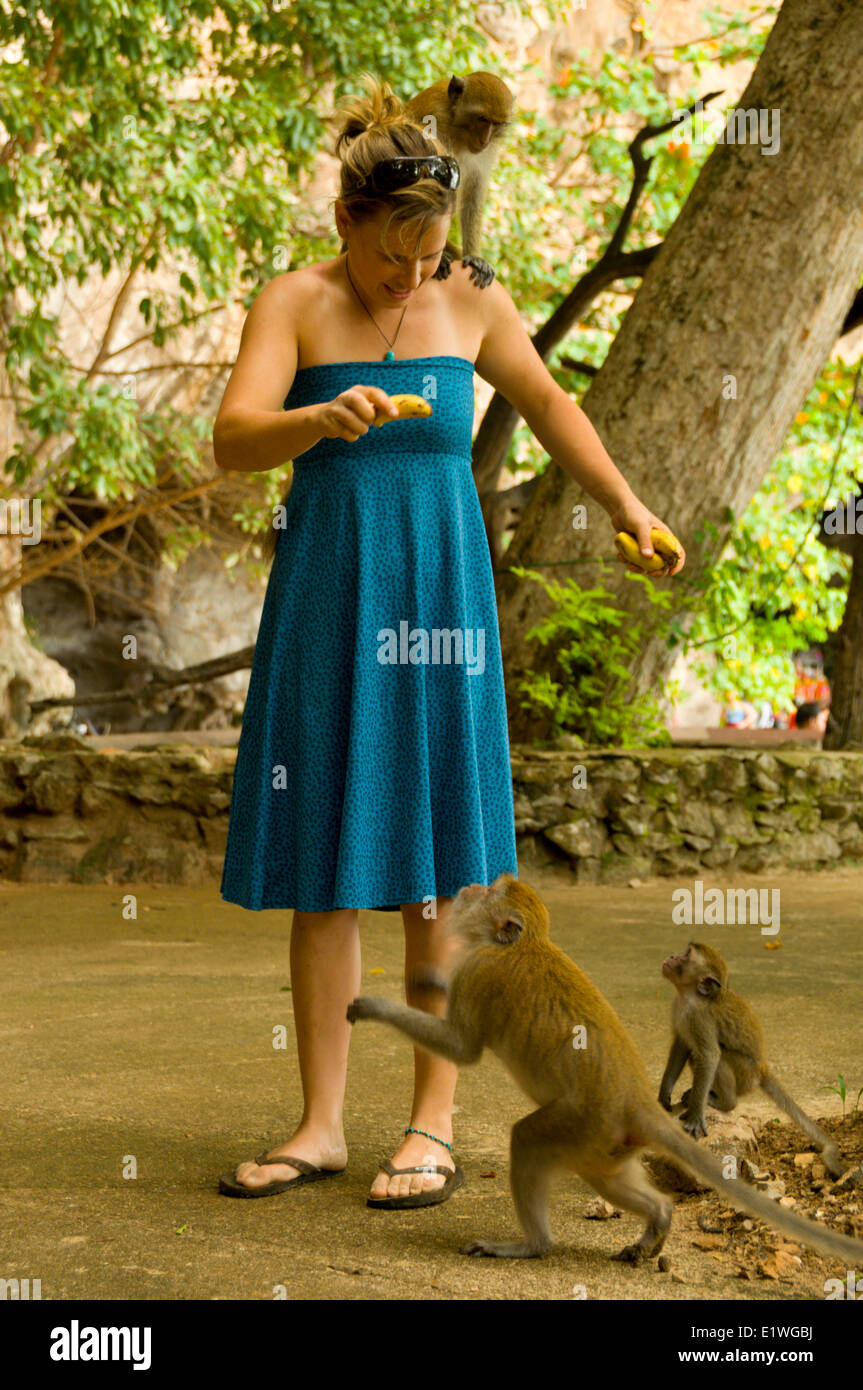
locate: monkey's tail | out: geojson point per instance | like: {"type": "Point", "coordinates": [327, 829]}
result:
{"type": "Point", "coordinates": [822, 1141]}
{"type": "Point", "coordinates": [667, 1135]}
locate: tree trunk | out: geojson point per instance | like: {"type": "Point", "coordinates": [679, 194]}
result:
{"type": "Point", "coordinates": [845, 725]}
{"type": "Point", "coordinates": [24, 670]}
{"type": "Point", "coordinates": [735, 317]}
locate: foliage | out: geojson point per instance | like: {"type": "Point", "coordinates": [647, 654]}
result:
{"type": "Point", "coordinates": [776, 589]}
{"type": "Point", "coordinates": [156, 155]}
{"type": "Point", "coordinates": [596, 645]}
{"type": "Point", "coordinates": [842, 1092]}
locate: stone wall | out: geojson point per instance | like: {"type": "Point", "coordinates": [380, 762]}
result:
{"type": "Point", "coordinates": [619, 815]}
{"type": "Point", "coordinates": [74, 813]}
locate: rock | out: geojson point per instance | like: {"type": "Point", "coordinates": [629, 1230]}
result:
{"type": "Point", "coordinates": [635, 819]}
{"type": "Point", "coordinates": [728, 1136]}
{"type": "Point", "coordinates": [808, 849]}
{"type": "Point", "coordinates": [707, 1242]}
{"type": "Point", "coordinates": [751, 1172]}
{"type": "Point", "coordinates": [698, 842]}
{"type": "Point", "coordinates": [736, 825]}
{"type": "Point", "coordinates": [620, 868]}
{"type": "Point", "coordinates": [694, 817]}
{"type": "Point", "coordinates": [718, 855]}
{"type": "Point", "coordinates": [547, 808]}
{"type": "Point", "coordinates": [663, 1264]}
{"type": "Point", "coordinates": [779, 1265]}
{"type": "Point", "coordinates": [678, 861]}
{"type": "Point", "coordinates": [599, 1210]}
{"type": "Point", "coordinates": [579, 839]}
{"type": "Point", "coordinates": [804, 1160]}
{"type": "Point", "coordinates": [566, 741]}
{"type": "Point", "coordinates": [731, 773]}
{"type": "Point", "coordinates": [774, 1189]}
{"type": "Point", "coordinates": [588, 870]}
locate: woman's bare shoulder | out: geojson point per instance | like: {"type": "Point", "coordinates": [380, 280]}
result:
{"type": "Point", "coordinates": [298, 287]}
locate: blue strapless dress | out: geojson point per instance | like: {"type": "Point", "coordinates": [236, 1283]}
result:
{"type": "Point", "coordinates": [373, 764]}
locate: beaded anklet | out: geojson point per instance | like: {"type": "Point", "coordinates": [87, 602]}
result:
{"type": "Point", "coordinates": [426, 1135]}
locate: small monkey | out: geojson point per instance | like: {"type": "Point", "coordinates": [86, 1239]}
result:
{"type": "Point", "coordinates": [518, 994]}
{"type": "Point", "coordinates": [468, 115]}
{"type": "Point", "coordinates": [717, 1032]}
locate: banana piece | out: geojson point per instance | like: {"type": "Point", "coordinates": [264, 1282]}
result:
{"type": "Point", "coordinates": [668, 550]}
{"type": "Point", "coordinates": [409, 408]}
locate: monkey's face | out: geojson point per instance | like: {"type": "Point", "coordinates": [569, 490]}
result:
{"type": "Point", "coordinates": [676, 968]}
{"type": "Point", "coordinates": [477, 132]}
{"type": "Point", "coordinates": [698, 967]}
{"type": "Point", "coordinates": [498, 915]}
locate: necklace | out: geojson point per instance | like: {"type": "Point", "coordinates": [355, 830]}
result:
{"type": "Point", "coordinates": [388, 356]}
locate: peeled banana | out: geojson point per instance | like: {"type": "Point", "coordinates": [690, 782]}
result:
{"type": "Point", "coordinates": [409, 408]}
{"type": "Point", "coordinates": [667, 548]}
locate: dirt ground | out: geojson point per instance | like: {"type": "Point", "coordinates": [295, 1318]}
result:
{"type": "Point", "coordinates": [145, 1044]}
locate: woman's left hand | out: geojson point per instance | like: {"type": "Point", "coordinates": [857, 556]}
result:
{"type": "Point", "coordinates": [634, 517]}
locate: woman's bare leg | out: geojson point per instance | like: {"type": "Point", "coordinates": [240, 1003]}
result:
{"type": "Point", "coordinates": [325, 977]}
{"type": "Point", "coordinates": [426, 943]}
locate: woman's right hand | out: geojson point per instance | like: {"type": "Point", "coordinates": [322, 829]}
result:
{"type": "Point", "coordinates": [354, 412]}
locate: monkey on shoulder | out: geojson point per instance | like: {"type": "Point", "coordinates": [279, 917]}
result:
{"type": "Point", "coordinates": [718, 1034]}
{"type": "Point", "coordinates": [469, 116]}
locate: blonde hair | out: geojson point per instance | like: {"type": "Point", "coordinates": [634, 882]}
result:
{"type": "Point", "coordinates": [372, 128]}
{"type": "Point", "coordinates": [376, 127]}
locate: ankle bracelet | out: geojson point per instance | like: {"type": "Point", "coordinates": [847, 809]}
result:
{"type": "Point", "coordinates": [426, 1135]}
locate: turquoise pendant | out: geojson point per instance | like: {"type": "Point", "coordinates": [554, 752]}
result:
{"type": "Point", "coordinates": [389, 356]}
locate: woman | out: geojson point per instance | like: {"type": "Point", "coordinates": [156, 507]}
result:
{"type": "Point", "coordinates": [373, 768]}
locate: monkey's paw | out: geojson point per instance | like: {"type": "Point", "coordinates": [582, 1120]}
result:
{"type": "Point", "coordinates": [481, 273]}
{"type": "Point", "coordinates": [509, 1251]}
{"type": "Point", "coordinates": [364, 1007]}
{"type": "Point", "coordinates": [445, 267]}
{"type": "Point", "coordinates": [694, 1125]}
{"type": "Point", "coordinates": [665, 1102]}
{"type": "Point", "coordinates": [630, 1255]}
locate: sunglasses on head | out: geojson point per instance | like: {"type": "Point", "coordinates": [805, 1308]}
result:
{"type": "Point", "coordinates": [391, 174]}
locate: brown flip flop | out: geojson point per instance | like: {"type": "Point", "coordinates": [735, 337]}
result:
{"type": "Point", "coordinates": [454, 1179]}
{"type": "Point", "coordinates": [307, 1173]}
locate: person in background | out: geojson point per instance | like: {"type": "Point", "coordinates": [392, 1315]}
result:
{"type": "Point", "coordinates": [737, 713]}
{"type": "Point", "coordinates": [813, 716]}
{"type": "Point", "coordinates": [810, 683]}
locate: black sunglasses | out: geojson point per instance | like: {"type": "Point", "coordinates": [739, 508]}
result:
{"type": "Point", "coordinates": [391, 174]}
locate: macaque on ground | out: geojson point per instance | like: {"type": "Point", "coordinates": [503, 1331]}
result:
{"type": "Point", "coordinates": [518, 994]}
{"type": "Point", "coordinates": [719, 1035]}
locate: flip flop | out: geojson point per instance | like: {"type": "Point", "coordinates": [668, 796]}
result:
{"type": "Point", "coordinates": [308, 1173]}
{"type": "Point", "coordinates": [433, 1198]}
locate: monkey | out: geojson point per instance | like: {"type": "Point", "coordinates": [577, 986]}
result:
{"type": "Point", "coordinates": [717, 1032]}
{"type": "Point", "coordinates": [517, 993]}
{"type": "Point", "coordinates": [468, 115]}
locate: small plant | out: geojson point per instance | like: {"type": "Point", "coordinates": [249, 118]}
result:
{"type": "Point", "coordinates": [842, 1092]}
{"type": "Point", "coordinates": [839, 1091]}
{"type": "Point", "coordinates": [597, 645]}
